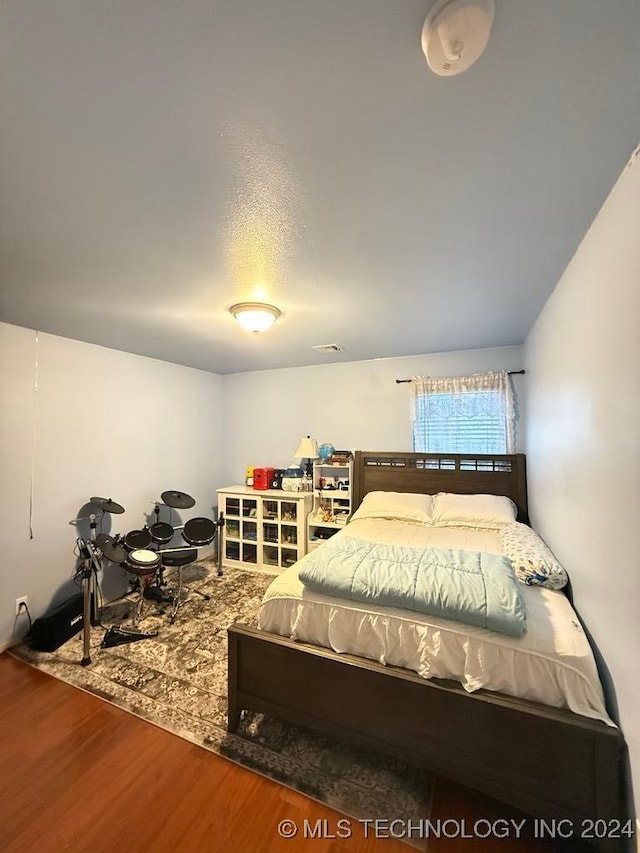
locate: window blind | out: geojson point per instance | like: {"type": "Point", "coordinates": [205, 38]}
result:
{"type": "Point", "coordinates": [460, 422]}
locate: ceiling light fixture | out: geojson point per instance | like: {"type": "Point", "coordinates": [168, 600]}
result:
{"type": "Point", "coordinates": [255, 317]}
{"type": "Point", "coordinates": [456, 33]}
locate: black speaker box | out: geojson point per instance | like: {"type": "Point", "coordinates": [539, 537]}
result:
{"type": "Point", "coordinates": [53, 629]}
{"type": "Point", "coordinates": [276, 478]}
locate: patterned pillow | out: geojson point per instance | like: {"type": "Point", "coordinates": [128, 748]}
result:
{"type": "Point", "coordinates": [533, 563]}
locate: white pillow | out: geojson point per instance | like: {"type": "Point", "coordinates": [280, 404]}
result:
{"type": "Point", "coordinates": [490, 512]}
{"type": "Point", "coordinates": [404, 506]}
{"type": "Point", "coordinates": [533, 563]}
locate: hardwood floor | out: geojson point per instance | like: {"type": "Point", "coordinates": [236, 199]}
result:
{"type": "Point", "coordinates": [78, 774]}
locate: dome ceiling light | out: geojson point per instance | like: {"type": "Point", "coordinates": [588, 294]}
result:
{"type": "Point", "coordinates": [455, 34]}
{"type": "Point", "coordinates": [255, 317]}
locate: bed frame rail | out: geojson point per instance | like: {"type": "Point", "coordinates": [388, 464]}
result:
{"type": "Point", "coordinates": [548, 762]}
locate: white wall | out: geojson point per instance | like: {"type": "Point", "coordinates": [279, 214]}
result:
{"type": "Point", "coordinates": [583, 437]}
{"type": "Point", "coordinates": [354, 405]}
{"type": "Point", "coordinates": [128, 427]}
{"type": "Point", "coordinates": [106, 423]}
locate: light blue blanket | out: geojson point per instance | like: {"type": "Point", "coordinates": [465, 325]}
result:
{"type": "Point", "coordinates": [468, 586]}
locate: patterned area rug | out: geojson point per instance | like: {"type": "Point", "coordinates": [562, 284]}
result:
{"type": "Point", "coordinates": [177, 680]}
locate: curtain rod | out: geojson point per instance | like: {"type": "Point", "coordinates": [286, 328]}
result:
{"type": "Point", "coordinates": [510, 372]}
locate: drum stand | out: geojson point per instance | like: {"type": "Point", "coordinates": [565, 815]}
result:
{"type": "Point", "coordinates": [220, 526]}
{"type": "Point", "coordinates": [155, 591]}
{"type": "Point", "coordinates": [114, 636]}
{"type": "Point", "coordinates": [88, 553]}
{"type": "Point", "coordinates": [117, 636]}
{"type": "Point", "coordinates": [91, 552]}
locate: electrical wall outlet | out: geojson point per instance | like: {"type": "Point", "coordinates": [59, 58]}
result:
{"type": "Point", "coordinates": [21, 605]}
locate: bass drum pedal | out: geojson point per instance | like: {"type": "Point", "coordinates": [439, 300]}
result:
{"type": "Point", "coordinates": [119, 636]}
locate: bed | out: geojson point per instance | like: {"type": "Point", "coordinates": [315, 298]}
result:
{"type": "Point", "coordinates": [489, 739]}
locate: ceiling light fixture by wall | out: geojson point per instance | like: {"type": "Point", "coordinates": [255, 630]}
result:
{"type": "Point", "coordinates": [456, 33]}
{"type": "Point", "coordinates": [255, 317]}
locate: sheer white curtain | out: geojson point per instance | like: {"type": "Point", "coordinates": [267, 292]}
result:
{"type": "Point", "coordinates": [463, 414]}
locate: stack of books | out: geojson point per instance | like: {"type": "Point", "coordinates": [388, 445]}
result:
{"type": "Point", "coordinates": [341, 457]}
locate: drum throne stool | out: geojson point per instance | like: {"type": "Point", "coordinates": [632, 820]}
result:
{"type": "Point", "coordinates": [197, 533]}
{"type": "Point", "coordinates": [180, 558]}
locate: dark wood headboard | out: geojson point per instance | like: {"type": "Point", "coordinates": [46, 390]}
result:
{"type": "Point", "coordinates": [430, 473]}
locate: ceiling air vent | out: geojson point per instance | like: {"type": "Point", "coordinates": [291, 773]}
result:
{"type": "Point", "coordinates": [328, 348]}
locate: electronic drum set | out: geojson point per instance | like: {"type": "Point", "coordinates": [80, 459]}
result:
{"type": "Point", "coordinates": [143, 553]}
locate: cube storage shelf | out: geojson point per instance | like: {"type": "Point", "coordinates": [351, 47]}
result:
{"type": "Point", "coordinates": [332, 490]}
{"type": "Point", "coordinates": [263, 529]}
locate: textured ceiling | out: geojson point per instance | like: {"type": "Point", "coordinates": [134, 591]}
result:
{"type": "Point", "coordinates": [161, 160]}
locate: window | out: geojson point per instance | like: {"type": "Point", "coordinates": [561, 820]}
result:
{"type": "Point", "coordinates": [467, 414]}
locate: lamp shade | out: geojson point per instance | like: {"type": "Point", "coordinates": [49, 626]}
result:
{"type": "Point", "coordinates": [307, 449]}
{"type": "Point", "coordinates": [255, 317]}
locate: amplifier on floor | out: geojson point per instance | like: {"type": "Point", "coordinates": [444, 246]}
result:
{"type": "Point", "coordinates": [53, 629]}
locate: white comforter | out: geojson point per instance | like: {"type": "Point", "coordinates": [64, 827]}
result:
{"type": "Point", "coordinates": [552, 663]}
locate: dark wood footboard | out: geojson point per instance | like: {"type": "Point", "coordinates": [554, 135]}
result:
{"type": "Point", "coordinates": [548, 762]}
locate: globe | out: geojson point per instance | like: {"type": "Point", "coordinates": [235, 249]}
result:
{"type": "Point", "coordinates": [325, 452]}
